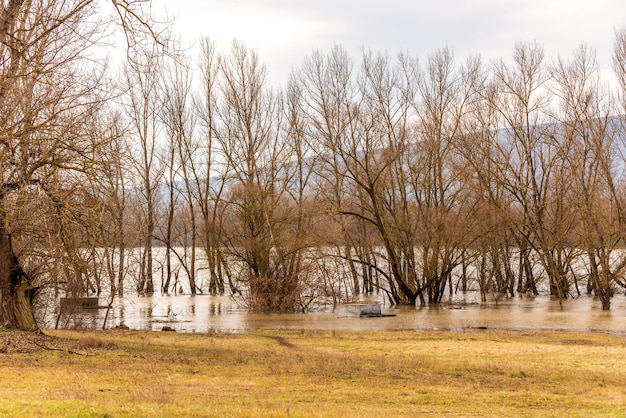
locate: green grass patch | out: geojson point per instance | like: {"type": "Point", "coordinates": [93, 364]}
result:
{"type": "Point", "coordinates": [132, 373]}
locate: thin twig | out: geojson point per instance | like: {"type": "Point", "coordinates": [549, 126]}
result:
{"type": "Point", "coordinates": [45, 347]}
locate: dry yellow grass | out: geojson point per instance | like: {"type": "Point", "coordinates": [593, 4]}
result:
{"type": "Point", "coordinates": [128, 373]}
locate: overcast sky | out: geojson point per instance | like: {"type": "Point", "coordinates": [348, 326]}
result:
{"type": "Point", "coordinates": [285, 31]}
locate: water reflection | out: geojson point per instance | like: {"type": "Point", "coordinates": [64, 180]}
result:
{"type": "Point", "coordinates": [204, 313]}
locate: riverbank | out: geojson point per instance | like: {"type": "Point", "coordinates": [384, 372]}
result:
{"type": "Point", "coordinates": [302, 373]}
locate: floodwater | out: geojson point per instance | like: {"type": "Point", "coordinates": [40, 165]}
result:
{"type": "Point", "coordinates": [204, 313]}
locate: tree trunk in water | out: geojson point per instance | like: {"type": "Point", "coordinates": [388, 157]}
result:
{"type": "Point", "coordinates": [149, 286]}
{"type": "Point", "coordinates": [16, 309]}
{"type": "Point", "coordinates": [165, 283]}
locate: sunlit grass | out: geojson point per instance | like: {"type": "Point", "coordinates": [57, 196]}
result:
{"type": "Point", "coordinates": [319, 374]}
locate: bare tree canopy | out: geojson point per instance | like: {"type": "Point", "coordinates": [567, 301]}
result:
{"type": "Point", "coordinates": [391, 176]}
{"type": "Point", "coordinates": [51, 92]}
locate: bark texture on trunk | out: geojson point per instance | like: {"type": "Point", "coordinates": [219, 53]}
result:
{"type": "Point", "coordinates": [16, 292]}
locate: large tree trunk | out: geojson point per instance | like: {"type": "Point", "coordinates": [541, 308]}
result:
{"type": "Point", "coordinates": [16, 308]}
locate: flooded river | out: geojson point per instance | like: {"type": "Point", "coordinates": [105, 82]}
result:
{"type": "Point", "coordinates": [204, 313]}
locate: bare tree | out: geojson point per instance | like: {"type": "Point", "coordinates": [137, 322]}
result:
{"type": "Point", "coordinates": [305, 216]}
{"type": "Point", "coordinates": [532, 163]}
{"type": "Point", "coordinates": [142, 84]}
{"type": "Point", "coordinates": [439, 179]}
{"type": "Point", "coordinates": [388, 138]}
{"type": "Point", "coordinates": [251, 140]}
{"type": "Point", "coordinates": [179, 121]}
{"type": "Point", "coordinates": [330, 106]}
{"type": "Point", "coordinates": [499, 232]}
{"type": "Point", "coordinates": [47, 97]}
{"type": "Point", "coordinates": [210, 186]}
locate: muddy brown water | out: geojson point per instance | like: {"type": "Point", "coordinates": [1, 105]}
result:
{"type": "Point", "coordinates": [204, 313]}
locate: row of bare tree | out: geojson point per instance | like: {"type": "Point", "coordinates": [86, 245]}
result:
{"type": "Point", "coordinates": [422, 178]}
{"type": "Point", "coordinates": [381, 174]}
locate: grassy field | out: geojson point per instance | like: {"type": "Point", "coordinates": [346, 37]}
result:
{"type": "Point", "coordinates": [375, 374]}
